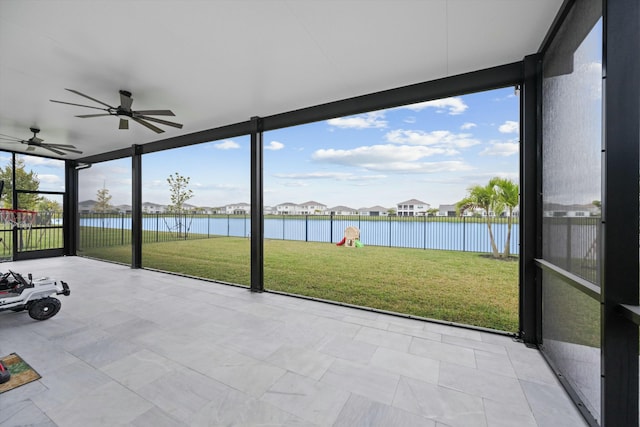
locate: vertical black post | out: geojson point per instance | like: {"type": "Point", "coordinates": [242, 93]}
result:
{"type": "Point", "coordinates": [14, 204]}
{"type": "Point", "coordinates": [70, 221]}
{"type": "Point", "coordinates": [136, 206]}
{"type": "Point", "coordinates": [464, 234]}
{"type": "Point", "coordinates": [257, 207]}
{"type": "Point", "coordinates": [530, 114]}
{"type": "Point", "coordinates": [620, 207]}
{"type": "Point", "coordinates": [424, 232]}
{"type": "Point", "coordinates": [306, 228]}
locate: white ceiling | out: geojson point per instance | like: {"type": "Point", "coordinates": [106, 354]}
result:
{"type": "Point", "coordinates": [216, 62]}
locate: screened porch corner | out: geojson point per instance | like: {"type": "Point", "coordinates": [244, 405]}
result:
{"type": "Point", "coordinates": [145, 348]}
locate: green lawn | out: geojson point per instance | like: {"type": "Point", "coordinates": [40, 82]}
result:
{"type": "Point", "coordinates": [453, 286]}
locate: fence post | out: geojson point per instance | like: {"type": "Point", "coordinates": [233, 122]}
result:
{"type": "Point", "coordinates": [424, 228]}
{"type": "Point", "coordinates": [283, 226]}
{"type": "Point", "coordinates": [464, 234]}
{"type": "Point", "coordinates": [389, 230]}
{"type": "Point", "coordinates": [157, 227]}
{"type": "Point", "coordinates": [228, 225]}
{"type": "Point", "coordinates": [331, 228]}
{"type": "Point", "coordinates": [306, 228]}
{"type": "Point", "coordinates": [208, 226]}
{"type": "Point", "coordinates": [569, 237]}
{"type": "Point", "coordinates": [122, 228]}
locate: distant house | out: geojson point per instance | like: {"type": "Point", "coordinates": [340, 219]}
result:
{"type": "Point", "coordinates": [210, 210]}
{"type": "Point", "coordinates": [268, 210]}
{"type": "Point", "coordinates": [311, 208]}
{"type": "Point", "coordinates": [286, 209]}
{"type": "Point", "coordinates": [125, 209]}
{"type": "Point", "coordinates": [374, 211]}
{"type": "Point", "coordinates": [153, 208]}
{"type": "Point", "coordinates": [571, 211]}
{"type": "Point", "coordinates": [447, 210]}
{"type": "Point", "coordinates": [86, 206]}
{"type": "Point", "coordinates": [237, 209]}
{"type": "Point", "coordinates": [342, 210]}
{"type": "Point", "coordinates": [413, 207]}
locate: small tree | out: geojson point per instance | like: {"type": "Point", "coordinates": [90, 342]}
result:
{"type": "Point", "coordinates": [180, 193]}
{"type": "Point", "coordinates": [102, 201]}
{"type": "Point", "coordinates": [482, 197]}
{"type": "Point", "coordinates": [508, 194]}
{"type": "Point", "coordinates": [432, 211]}
{"type": "Point", "coordinates": [46, 210]}
{"type": "Point", "coordinates": [24, 181]}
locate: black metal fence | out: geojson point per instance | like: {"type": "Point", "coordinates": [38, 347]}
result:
{"type": "Point", "coordinates": [447, 233]}
{"type": "Point", "coordinates": [45, 233]}
{"type": "Point", "coordinates": [572, 243]}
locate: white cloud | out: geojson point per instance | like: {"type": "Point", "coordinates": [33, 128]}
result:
{"type": "Point", "coordinates": [437, 137]}
{"type": "Point", "coordinates": [274, 145]}
{"type": "Point", "coordinates": [452, 106]}
{"type": "Point", "coordinates": [313, 175]}
{"type": "Point", "coordinates": [410, 119]}
{"type": "Point", "coordinates": [43, 161]}
{"type": "Point", "coordinates": [503, 149]}
{"type": "Point", "coordinates": [363, 121]}
{"type": "Point", "coordinates": [423, 167]}
{"type": "Point", "coordinates": [49, 178]}
{"type": "Point", "coordinates": [391, 157]}
{"type": "Point", "coordinates": [468, 125]}
{"type": "Point", "coordinates": [509, 127]}
{"type": "Point", "coordinates": [227, 145]}
{"type": "Point", "coordinates": [339, 176]}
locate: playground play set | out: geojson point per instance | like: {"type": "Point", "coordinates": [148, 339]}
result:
{"type": "Point", "coordinates": [351, 238]}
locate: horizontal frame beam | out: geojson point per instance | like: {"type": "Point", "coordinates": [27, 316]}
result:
{"type": "Point", "coordinates": [577, 282]}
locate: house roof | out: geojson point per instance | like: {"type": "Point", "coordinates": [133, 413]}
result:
{"type": "Point", "coordinates": [413, 202]}
{"type": "Point", "coordinates": [377, 208]}
{"type": "Point", "coordinates": [341, 208]}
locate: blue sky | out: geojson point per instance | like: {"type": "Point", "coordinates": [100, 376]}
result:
{"type": "Point", "coordinates": [431, 151]}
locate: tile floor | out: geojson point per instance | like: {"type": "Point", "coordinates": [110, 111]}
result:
{"type": "Point", "coordinates": [142, 348]}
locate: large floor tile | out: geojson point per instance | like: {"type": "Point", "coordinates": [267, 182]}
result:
{"type": "Point", "coordinates": [362, 412]}
{"type": "Point", "coordinates": [108, 405]}
{"type": "Point", "coordinates": [450, 407]}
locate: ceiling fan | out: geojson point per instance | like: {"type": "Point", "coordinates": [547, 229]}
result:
{"type": "Point", "coordinates": [125, 113]}
{"type": "Point", "coordinates": [35, 142]}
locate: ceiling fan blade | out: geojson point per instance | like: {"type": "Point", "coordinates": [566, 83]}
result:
{"type": "Point", "coordinates": [124, 124]}
{"type": "Point", "coordinates": [61, 147]}
{"type": "Point", "coordinates": [88, 97]}
{"type": "Point", "coordinates": [155, 112]}
{"type": "Point", "coordinates": [9, 138]}
{"type": "Point", "coordinates": [125, 100]}
{"type": "Point", "coordinates": [149, 125]}
{"type": "Point", "coordinates": [164, 122]}
{"type": "Point", "coordinates": [86, 116]}
{"type": "Point", "coordinates": [78, 105]}
{"type": "Point", "coordinates": [46, 147]}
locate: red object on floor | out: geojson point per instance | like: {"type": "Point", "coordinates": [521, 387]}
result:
{"type": "Point", "coordinates": [341, 242]}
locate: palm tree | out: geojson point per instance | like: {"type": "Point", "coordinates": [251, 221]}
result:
{"type": "Point", "coordinates": [508, 194]}
{"type": "Point", "coordinates": [483, 197]}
